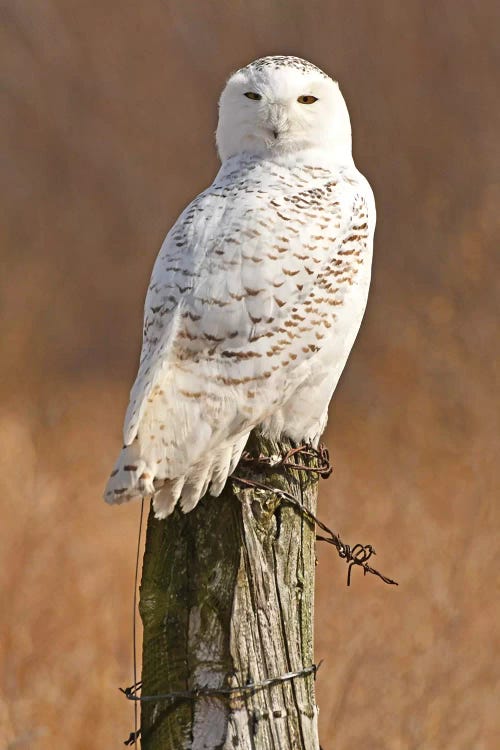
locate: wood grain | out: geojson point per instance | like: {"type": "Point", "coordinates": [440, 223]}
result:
{"type": "Point", "coordinates": [227, 598]}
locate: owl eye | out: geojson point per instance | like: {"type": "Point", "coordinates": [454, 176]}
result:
{"type": "Point", "coordinates": [253, 95]}
{"type": "Point", "coordinates": [307, 99]}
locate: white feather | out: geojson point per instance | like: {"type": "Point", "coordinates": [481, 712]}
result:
{"type": "Point", "coordinates": [257, 294]}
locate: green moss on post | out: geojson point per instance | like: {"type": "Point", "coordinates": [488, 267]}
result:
{"type": "Point", "coordinates": [227, 596]}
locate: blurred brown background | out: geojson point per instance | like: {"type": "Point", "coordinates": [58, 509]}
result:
{"type": "Point", "coordinates": [110, 114]}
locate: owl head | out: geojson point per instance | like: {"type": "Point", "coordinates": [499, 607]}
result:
{"type": "Point", "coordinates": [283, 107]}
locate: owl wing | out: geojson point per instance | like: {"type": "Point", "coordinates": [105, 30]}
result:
{"type": "Point", "coordinates": [174, 273]}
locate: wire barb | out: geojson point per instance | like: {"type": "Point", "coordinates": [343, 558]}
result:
{"type": "Point", "coordinates": [358, 555]}
{"type": "Point", "coordinates": [132, 738]}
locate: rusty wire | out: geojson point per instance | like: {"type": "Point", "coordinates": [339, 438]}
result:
{"type": "Point", "coordinates": [132, 740]}
{"type": "Point", "coordinates": [324, 468]}
{"type": "Point", "coordinates": [249, 688]}
{"type": "Point", "coordinates": [359, 554]}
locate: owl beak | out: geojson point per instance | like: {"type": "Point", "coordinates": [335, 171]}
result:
{"type": "Point", "coordinates": [278, 120]}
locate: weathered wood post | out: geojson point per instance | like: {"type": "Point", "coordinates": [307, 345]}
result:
{"type": "Point", "coordinates": [226, 599]}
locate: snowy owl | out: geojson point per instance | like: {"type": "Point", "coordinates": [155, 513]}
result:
{"type": "Point", "coordinates": [257, 293]}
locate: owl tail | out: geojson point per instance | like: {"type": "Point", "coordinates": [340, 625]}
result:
{"type": "Point", "coordinates": [131, 477]}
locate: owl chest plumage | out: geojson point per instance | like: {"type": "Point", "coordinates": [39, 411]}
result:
{"type": "Point", "coordinates": [259, 266]}
{"type": "Point", "coordinates": [261, 283]}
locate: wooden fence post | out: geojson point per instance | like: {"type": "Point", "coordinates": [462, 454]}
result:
{"type": "Point", "coordinates": [226, 599]}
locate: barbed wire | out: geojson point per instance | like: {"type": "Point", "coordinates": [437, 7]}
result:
{"type": "Point", "coordinates": [135, 734]}
{"type": "Point", "coordinates": [249, 688]}
{"type": "Point", "coordinates": [324, 468]}
{"type": "Point", "coordinates": [359, 554]}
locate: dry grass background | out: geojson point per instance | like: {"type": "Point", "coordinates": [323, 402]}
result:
{"type": "Point", "coordinates": [109, 132]}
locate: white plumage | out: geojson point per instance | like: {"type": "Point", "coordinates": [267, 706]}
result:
{"type": "Point", "coordinates": [258, 291]}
